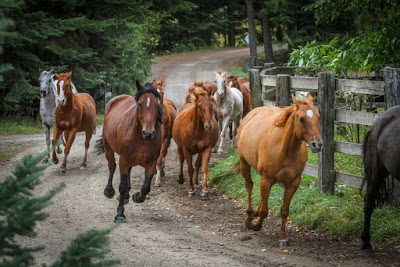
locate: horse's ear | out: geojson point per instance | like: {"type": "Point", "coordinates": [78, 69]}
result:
{"type": "Point", "coordinates": [52, 71]}
{"type": "Point", "coordinates": [160, 82]}
{"type": "Point", "coordinates": [310, 98]}
{"type": "Point", "coordinates": [138, 85]}
{"type": "Point", "coordinates": [57, 76]}
{"type": "Point", "coordinates": [69, 74]}
{"type": "Point", "coordinates": [155, 83]}
{"type": "Point", "coordinates": [295, 101]}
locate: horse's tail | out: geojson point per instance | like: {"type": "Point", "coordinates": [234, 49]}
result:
{"type": "Point", "coordinates": [364, 152]}
{"type": "Point", "coordinates": [99, 147]}
{"type": "Point", "coordinates": [231, 172]}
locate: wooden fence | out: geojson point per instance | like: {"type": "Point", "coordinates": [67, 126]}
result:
{"type": "Point", "coordinates": [267, 82]}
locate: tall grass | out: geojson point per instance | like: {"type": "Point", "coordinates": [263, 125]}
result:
{"type": "Point", "coordinates": [339, 215]}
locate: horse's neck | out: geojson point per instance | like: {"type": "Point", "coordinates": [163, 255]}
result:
{"type": "Point", "coordinates": [52, 98]}
{"type": "Point", "coordinates": [290, 141]}
{"type": "Point", "coordinates": [195, 118]}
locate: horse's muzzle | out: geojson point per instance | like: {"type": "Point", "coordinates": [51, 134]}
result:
{"type": "Point", "coordinates": [43, 94]}
{"type": "Point", "coordinates": [209, 127]}
{"type": "Point", "coordinates": [147, 135]}
{"type": "Point", "coordinates": [316, 146]}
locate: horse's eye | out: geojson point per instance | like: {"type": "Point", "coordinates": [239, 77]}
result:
{"type": "Point", "coordinates": [302, 120]}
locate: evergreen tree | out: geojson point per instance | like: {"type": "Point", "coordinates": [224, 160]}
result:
{"type": "Point", "coordinates": [20, 210]}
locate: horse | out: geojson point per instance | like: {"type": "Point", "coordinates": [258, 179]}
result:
{"type": "Point", "coordinates": [132, 129]}
{"type": "Point", "coordinates": [381, 149]}
{"type": "Point", "coordinates": [48, 105]}
{"type": "Point", "coordinates": [243, 84]}
{"type": "Point", "coordinates": [272, 140]}
{"type": "Point", "coordinates": [167, 122]}
{"type": "Point", "coordinates": [230, 106]}
{"type": "Point", "coordinates": [195, 131]}
{"type": "Point", "coordinates": [75, 113]}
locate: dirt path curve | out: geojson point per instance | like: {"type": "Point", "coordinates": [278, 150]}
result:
{"type": "Point", "coordinates": [169, 229]}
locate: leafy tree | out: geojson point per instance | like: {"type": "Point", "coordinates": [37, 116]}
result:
{"type": "Point", "coordinates": [20, 210]}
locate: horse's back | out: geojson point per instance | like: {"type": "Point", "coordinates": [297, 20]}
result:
{"type": "Point", "coordinates": [387, 133]}
{"type": "Point", "coordinates": [89, 112]}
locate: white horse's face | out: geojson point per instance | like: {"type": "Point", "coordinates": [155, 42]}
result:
{"type": "Point", "coordinates": [45, 81]}
{"type": "Point", "coordinates": [62, 100]}
{"type": "Point", "coordinates": [221, 85]}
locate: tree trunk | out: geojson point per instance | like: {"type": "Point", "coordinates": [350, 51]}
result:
{"type": "Point", "coordinates": [252, 32]}
{"type": "Point", "coordinates": [269, 56]}
{"type": "Point", "coordinates": [231, 29]}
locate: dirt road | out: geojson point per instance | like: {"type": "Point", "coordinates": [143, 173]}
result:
{"type": "Point", "coordinates": [170, 229]}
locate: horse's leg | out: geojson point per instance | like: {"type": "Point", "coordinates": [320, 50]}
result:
{"type": "Point", "coordinates": [220, 119]}
{"type": "Point", "coordinates": [245, 171]}
{"type": "Point", "coordinates": [56, 135]}
{"type": "Point", "coordinates": [109, 191]}
{"type": "Point", "coordinates": [123, 187]}
{"type": "Point", "coordinates": [88, 135]}
{"type": "Point", "coordinates": [235, 126]}
{"type": "Point", "coordinates": [290, 189]}
{"type": "Point", "coordinates": [206, 155]}
{"type": "Point", "coordinates": [369, 206]}
{"type": "Point", "coordinates": [181, 160]}
{"type": "Point", "coordinates": [70, 140]}
{"type": "Point", "coordinates": [59, 150]}
{"type": "Point", "coordinates": [46, 129]}
{"type": "Point", "coordinates": [197, 169]}
{"type": "Point", "coordinates": [189, 161]}
{"type": "Point", "coordinates": [265, 189]}
{"type": "Point", "coordinates": [139, 197]}
{"type": "Point", "coordinates": [225, 124]}
{"type": "Point", "coordinates": [160, 162]}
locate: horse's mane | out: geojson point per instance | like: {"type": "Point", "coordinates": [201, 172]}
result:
{"type": "Point", "coordinates": [147, 88]}
{"type": "Point", "coordinates": [200, 90]}
{"type": "Point", "coordinates": [281, 120]}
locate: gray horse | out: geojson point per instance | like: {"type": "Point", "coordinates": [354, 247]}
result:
{"type": "Point", "coordinates": [48, 104]}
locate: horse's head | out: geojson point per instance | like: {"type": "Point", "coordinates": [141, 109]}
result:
{"type": "Point", "coordinates": [64, 87]}
{"type": "Point", "coordinates": [150, 109]}
{"type": "Point", "coordinates": [233, 81]}
{"type": "Point", "coordinates": [204, 107]}
{"type": "Point", "coordinates": [160, 89]}
{"type": "Point", "coordinates": [307, 122]}
{"type": "Point", "coordinates": [220, 79]}
{"type": "Point", "coordinates": [45, 82]}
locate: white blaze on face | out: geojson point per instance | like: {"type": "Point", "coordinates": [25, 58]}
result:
{"type": "Point", "coordinates": [310, 113]}
{"type": "Point", "coordinates": [148, 102]}
{"type": "Point", "coordinates": [61, 97]}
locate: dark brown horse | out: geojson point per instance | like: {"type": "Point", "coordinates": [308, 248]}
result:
{"type": "Point", "coordinates": [195, 131]}
{"type": "Point", "coordinates": [272, 140]}
{"type": "Point", "coordinates": [75, 113]}
{"type": "Point", "coordinates": [167, 122]}
{"type": "Point", "coordinates": [381, 159]}
{"type": "Point", "coordinates": [132, 129]}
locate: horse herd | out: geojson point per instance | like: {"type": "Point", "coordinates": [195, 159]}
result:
{"type": "Point", "coordinates": [271, 140]}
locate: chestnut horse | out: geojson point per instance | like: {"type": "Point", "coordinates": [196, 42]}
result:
{"type": "Point", "coordinates": [272, 140]}
{"type": "Point", "coordinates": [167, 122]}
{"type": "Point", "coordinates": [75, 113]}
{"type": "Point", "coordinates": [381, 151]}
{"type": "Point", "coordinates": [195, 131]}
{"type": "Point", "coordinates": [243, 84]}
{"type": "Point", "coordinates": [132, 129]}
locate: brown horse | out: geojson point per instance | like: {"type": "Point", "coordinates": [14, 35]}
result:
{"type": "Point", "coordinates": [195, 131]}
{"type": "Point", "coordinates": [167, 122]}
{"type": "Point", "coordinates": [75, 113]}
{"type": "Point", "coordinates": [243, 84]}
{"type": "Point", "coordinates": [132, 129]}
{"type": "Point", "coordinates": [272, 140]}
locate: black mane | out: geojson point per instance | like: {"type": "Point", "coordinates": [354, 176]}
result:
{"type": "Point", "coordinates": [147, 88]}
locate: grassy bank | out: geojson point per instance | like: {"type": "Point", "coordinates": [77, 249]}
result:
{"type": "Point", "coordinates": [340, 215]}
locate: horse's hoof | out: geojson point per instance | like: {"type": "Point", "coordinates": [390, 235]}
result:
{"type": "Point", "coordinates": [59, 151]}
{"type": "Point", "coordinates": [204, 194]}
{"type": "Point", "coordinates": [191, 194]}
{"type": "Point", "coordinates": [61, 171]}
{"type": "Point", "coordinates": [283, 243]}
{"type": "Point", "coordinates": [220, 152]}
{"type": "Point", "coordinates": [55, 161]}
{"type": "Point", "coordinates": [180, 180]}
{"type": "Point", "coordinates": [109, 193]}
{"type": "Point", "coordinates": [248, 225]}
{"type": "Point", "coordinates": [138, 197]}
{"type": "Point", "coordinates": [366, 247]}
{"type": "Point", "coordinates": [45, 160]}
{"type": "Point", "coordinates": [120, 219]}
{"type": "Point", "coordinates": [157, 183]}
{"type": "Point", "coordinates": [83, 167]}
{"type": "Point", "coordinates": [256, 227]}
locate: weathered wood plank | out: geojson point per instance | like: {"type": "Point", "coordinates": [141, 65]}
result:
{"type": "Point", "coordinates": [360, 86]}
{"type": "Point", "coordinates": [348, 179]}
{"type": "Point", "coordinates": [356, 117]}
{"type": "Point", "coordinates": [268, 80]}
{"type": "Point", "coordinates": [349, 148]}
{"type": "Point", "coordinates": [311, 170]}
{"type": "Point", "coordinates": [304, 83]}
{"type": "Point", "coordinates": [269, 103]}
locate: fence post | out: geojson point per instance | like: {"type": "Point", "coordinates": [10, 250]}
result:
{"type": "Point", "coordinates": [392, 98]}
{"type": "Point", "coordinates": [282, 90]}
{"type": "Point", "coordinates": [255, 87]}
{"type": "Point", "coordinates": [326, 101]}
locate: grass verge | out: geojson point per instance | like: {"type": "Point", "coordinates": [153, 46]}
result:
{"type": "Point", "coordinates": [339, 215]}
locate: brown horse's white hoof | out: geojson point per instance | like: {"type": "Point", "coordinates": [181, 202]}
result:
{"type": "Point", "coordinates": [61, 171]}
{"type": "Point", "coordinates": [283, 243]}
{"type": "Point", "coordinates": [191, 194]}
{"type": "Point", "coordinates": [204, 194]}
{"type": "Point", "coordinates": [120, 219]}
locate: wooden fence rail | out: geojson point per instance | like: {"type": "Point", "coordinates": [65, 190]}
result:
{"type": "Point", "coordinates": [271, 83]}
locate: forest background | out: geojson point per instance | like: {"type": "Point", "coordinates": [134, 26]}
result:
{"type": "Point", "coordinates": [112, 42]}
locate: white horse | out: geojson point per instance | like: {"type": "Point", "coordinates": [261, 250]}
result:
{"type": "Point", "coordinates": [48, 104]}
{"type": "Point", "coordinates": [230, 104]}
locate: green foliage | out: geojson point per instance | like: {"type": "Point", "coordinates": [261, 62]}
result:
{"type": "Point", "coordinates": [20, 210]}
{"type": "Point", "coordinates": [340, 215]}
